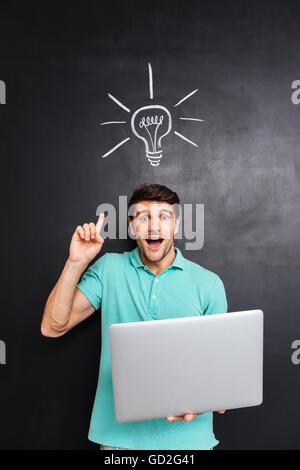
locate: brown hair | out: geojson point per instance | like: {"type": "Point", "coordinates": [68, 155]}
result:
{"type": "Point", "coordinates": [154, 192]}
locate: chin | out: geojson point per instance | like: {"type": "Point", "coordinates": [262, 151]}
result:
{"type": "Point", "coordinates": [158, 254]}
{"type": "Point", "coordinates": [151, 254]}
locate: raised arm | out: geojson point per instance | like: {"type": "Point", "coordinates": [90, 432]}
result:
{"type": "Point", "coordinates": [66, 305]}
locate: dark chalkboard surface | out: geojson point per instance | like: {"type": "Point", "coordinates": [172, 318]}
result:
{"type": "Point", "coordinates": [59, 62]}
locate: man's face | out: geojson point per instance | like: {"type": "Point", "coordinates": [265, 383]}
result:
{"type": "Point", "coordinates": [154, 226]}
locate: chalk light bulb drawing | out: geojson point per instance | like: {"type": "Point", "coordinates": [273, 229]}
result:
{"type": "Point", "coordinates": [151, 124]}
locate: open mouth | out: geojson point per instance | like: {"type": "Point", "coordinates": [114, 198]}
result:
{"type": "Point", "coordinates": [154, 244]}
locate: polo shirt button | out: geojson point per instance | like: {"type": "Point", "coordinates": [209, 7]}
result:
{"type": "Point", "coordinates": [154, 296]}
{"type": "Point", "coordinates": [156, 280]}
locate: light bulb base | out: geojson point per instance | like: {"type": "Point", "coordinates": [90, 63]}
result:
{"type": "Point", "coordinates": [154, 157]}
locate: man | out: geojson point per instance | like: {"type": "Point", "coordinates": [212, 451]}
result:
{"type": "Point", "coordinates": [153, 281]}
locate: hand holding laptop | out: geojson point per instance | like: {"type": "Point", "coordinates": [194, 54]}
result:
{"type": "Point", "coordinates": [188, 416]}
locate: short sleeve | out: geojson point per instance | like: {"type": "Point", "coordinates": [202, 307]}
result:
{"type": "Point", "coordinates": [90, 283]}
{"type": "Point", "coordinates": [216, 299]}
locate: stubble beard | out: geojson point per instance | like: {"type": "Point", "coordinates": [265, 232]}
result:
{"type": "Point", "coordinates": [165, 252]}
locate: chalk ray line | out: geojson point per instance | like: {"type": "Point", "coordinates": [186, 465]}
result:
{"type": "Point", "coordinates": [191, 119]}
{"type": "Point", "coordinates": [112, 122]}
{"type": "Point", "coordinates": [185, 97]}
{"type": "Point", "coordinates": [150, 81]}
{"type": "Point", "coordinates": [185, 138]}
{"type": "Point", "coordinates": [118, 103]}
{"type": "Point", "coordinates": [115, 148]}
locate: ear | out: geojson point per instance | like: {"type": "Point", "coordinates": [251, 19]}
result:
{"type": "Point", "coordinates": [131, 227]}
{"type": "Point", "coordinates": [177, 223]}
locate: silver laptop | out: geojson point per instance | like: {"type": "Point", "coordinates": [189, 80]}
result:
{"type": "Point", "coordinates": [193, 364]}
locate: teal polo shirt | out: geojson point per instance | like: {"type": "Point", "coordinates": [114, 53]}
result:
{"type": "Point", "coordinates": [128, 291]}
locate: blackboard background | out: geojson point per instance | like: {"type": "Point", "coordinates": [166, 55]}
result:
{"type": "Point", "coordinates": [59, 61]}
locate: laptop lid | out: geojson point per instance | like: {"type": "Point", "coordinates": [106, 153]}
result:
{"type": "Point", "coordinates": [186, 365]}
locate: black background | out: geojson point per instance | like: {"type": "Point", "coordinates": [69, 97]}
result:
{"type": "Point", "coordinates": [59, 61]}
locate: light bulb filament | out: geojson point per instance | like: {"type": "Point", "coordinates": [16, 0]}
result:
{"type": "Point", "coordinates": [151, 121]}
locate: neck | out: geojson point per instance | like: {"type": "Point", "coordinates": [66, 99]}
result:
{"type": "Point", "coordinates": [158, 267]}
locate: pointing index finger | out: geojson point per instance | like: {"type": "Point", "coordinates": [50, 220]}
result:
{"type": "Point", "coordinates": [99, 222]}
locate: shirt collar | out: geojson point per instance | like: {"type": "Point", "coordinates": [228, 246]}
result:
{"type": "Point", "coordinates": [137, 262]}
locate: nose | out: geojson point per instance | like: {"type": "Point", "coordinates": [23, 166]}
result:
{"type": "Point", "coordinates": [154, 225]}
